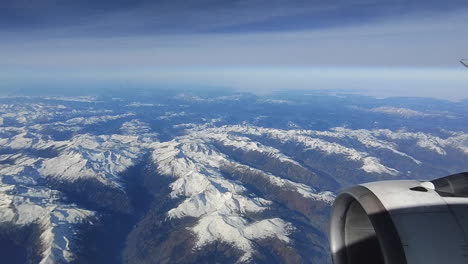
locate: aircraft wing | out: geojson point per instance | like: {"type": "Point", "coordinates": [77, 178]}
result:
{"type": "Point", "coordinates": [465, 62]}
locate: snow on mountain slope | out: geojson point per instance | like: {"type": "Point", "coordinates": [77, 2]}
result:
{"type": "Point", "coordinates": [92, 119]}
{"type": "Point", "coordinates": [29, 113]}
{"type": "Point", "coordinates": [171, 115]}
{"type": "Point", "coordinates": [138, 104]}
{"type": "Point", "coordinates": [15, 138]}
{"type": "Point", "coordinates": [22, 206]}
{"type": "Point", "coordinates": [30, 156]}
{"type": "Point", "coordinates": [311, 141]}
{"type": "Point", "coordinates": [406, 113]}
{"type": "Point", "coordinates": [302, 189]}
{"type": "Point", "coordinates": [403, 112]}
{"type": "Point", "coordinates": [238, 183]}
{"type": "Point", "coordinates": [457, 140]}
{"type": "Point", "coordinates": [274, 101]}
{"type": "Point", "coordinates": [196, 161]}
{"type": "Point", "coordinates": [82, 99]}
{"type": "Point", "coordinates": [99, 157]}
{"type": "Point", "coordinates": [238, 231]}
{"type": "Point", "coordinates": [188, 97]}
{"type": "Point", "coordinates": [217, 201]}
{"type": "Point", "coordinates": [365, 137]}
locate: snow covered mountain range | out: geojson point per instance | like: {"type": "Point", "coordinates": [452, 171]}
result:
{"type": "Point", "coordinates": [195, 178]}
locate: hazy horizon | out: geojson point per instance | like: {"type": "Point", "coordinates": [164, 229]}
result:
{"type": "Point", "coordinates": [389, 48]}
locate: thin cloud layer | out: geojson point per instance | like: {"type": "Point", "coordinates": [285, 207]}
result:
{"type": "Point", "coordinates": [125, 17]}
{"type": "Point", "coordinates": [366, 44]}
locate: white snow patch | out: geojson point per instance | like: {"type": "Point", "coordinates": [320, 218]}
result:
{"type": "Point", "coordinates": [139, 104]}
{"type": "Point", "coordinates": [93, 119]}
{"type": "Point", "coordinates": [402, 112]}
{"type": "Point", "coordinates": [21, 206]}
{"type": "Point", "coordinates": [239, 232]}
{"type": "Point", "coordinates": [219, 203]}
{"type": "Point", "coordinates": [307, 139]}
{"type": "Point", "coordinates": [373, 165]}
{"type": "Point", "coordinates": [171, 115]}
{"type": "Point", "coordinates": [275, 101]}
{"type": "Point", "coordinates": [83, 99]}
{"type": "Point", "coordinates": [99, 157]}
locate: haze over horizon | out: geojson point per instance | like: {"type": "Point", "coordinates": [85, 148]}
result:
{"type": "Point", "coordinates": [389, 48]}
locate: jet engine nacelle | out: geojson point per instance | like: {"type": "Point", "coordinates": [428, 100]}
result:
{"type": "Point", "coordinates": [398, 222]}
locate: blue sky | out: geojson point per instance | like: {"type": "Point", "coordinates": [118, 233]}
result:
{"type": "Point", "coordinates": [383, 48]}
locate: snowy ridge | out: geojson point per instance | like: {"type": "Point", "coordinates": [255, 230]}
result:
{"type": "Point", "coordinates": [23, 201]}
{"type": "Point", "coordinates": [403, 112]}
{"type": "Point", "coordinates": [188, 97]}
{"type": "Point", "coordinates": [238, 231]}
{"type": "Point", "coordinates": [379, 138]}
{"type": "Point", "coordinates": [246, 145]}
{"type": "Point", "coordinates": [29, 113]}
{"type": "Point", "coordinates": [325, 142]}
{"type": "Point", "coordinates": [39, 116]}
{"type": "Point", "coordinates": [457, 140]}
{"type": "Point", "coordinates": [138, 104]}
{"type": "Point", "coordinates": [20, 205]}
{"type": "Point", "coordinates": [365, 137]}
{"type": "Point", "coordinates": [15, 138]}
{"type": "Point", "coordinates": [217, 202]}
{"type": "Point", "coordinates": [406, 113]}
{"type": "Point", "coordinates": [305, 190]}
{"type": "Point", "coordinates": [81, 99]}
{"type": "Point", "coordinates": [305, 137]}
{"type": "Point", "coordinates": [275, 101]}
{"type": "Point", "coordinates": [93, 119]}
{"type": "Point", "coordinates": [100, 157]}
{"type": "Point", "coordinates": [171, 115]}
{"type": "Point", "coordinates": [220, 203]}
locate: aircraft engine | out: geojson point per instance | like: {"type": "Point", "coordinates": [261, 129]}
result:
{"type": "Point", "coordinates": [403, 221]}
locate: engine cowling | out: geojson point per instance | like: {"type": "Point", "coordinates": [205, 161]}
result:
{"type": "Point", "coordinates": [398, 222]}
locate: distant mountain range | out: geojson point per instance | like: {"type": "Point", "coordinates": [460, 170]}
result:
{"type": "Point", "coordinates": [175, 177]}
